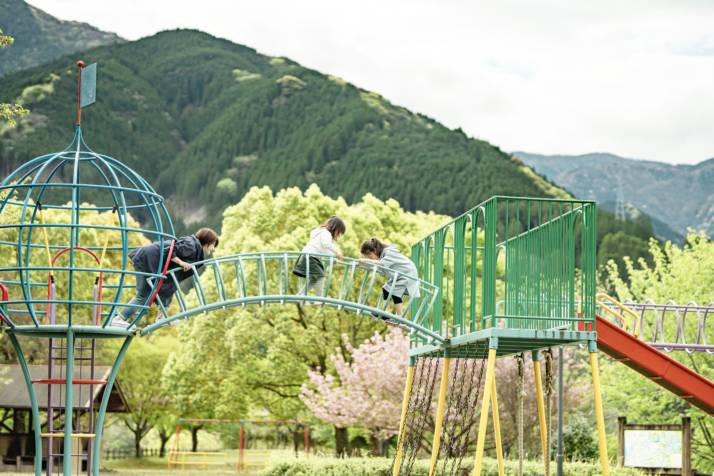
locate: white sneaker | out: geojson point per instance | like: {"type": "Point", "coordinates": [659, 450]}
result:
{"type": "Point", "coordinates": [119, 321]}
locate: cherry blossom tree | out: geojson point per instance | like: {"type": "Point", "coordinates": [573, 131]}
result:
{"type": "Point", "coordinates": [366, 390]}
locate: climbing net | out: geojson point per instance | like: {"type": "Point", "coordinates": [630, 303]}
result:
{"type": "Point", "coordinates": [419, 413]}
{"type": "Point", "coordinates": [462, 396]}
{"type": "Point", "coordinates": [466, 377]}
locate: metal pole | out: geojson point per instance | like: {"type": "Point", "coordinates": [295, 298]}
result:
{"type": "Point", "coordinates": [599, 416]}
{"type": "Point", "coordinates": [440, 411]}
{"type": "Point", "coordinates": [35, 408]}
{"type": "Point", "coordinates": [68, 405]}
{"type": "Point", "coordinates": [485, 401]}
{"type": "Point", "coordinates": [402, 421]}
{"type": "Point", "coordinates": [559, 455]}
{"type": "Point", "coordinates": [96, 451]}
{"type": "Point", "coordinates": [497, 428]}
{"type": "Point", "coordinates": [541, 407]}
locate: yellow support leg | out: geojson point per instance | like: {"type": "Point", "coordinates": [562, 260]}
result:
{"type": "Point", "coordinates": [497, 428]}
{"type": "Point", "coordinates": [403, 421]}
{"type": "Point", "coordinates": [481, 440]}
{"type": "Point", "coordinates": [599, 417]}
{"type": "Point", "coordinates": [541, 407]}
{"type": "Point", "coordinates": [440, 410]}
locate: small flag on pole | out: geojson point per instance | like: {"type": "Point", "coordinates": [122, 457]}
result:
{"type": "Point", "coordinates": [88, 93]}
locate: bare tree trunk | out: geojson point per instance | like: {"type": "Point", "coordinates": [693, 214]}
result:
{"type": "Point", "coordinates": [137, 443]}
{"type": "Point", "coordinates": [194, 437]}
{"type": "Point", "coordinates": [164, 437]}
{"type": "Point", "coordinates": [296, 441]}
{"type": "Point", "coordinates": [342, 442]}
{"type": "Point", "coordinates": [376, 443]}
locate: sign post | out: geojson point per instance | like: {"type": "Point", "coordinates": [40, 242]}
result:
{"type": "Point", "coordinates": [666, 449]}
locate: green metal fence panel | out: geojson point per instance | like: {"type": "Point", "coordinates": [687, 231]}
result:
{"type": "Point", "coordinates": [515, 263]}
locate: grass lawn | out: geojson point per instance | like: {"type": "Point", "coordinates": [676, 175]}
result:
{"type": "Point", "coordinates": [255, 461]}
{"type": "Point", "coordinates": [218, 465]}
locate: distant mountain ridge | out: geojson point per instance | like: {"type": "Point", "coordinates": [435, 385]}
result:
{"type": "Point", "coordinates": [205, 119]}
{"type": "Point", "coordinates": [679, 196]}
{"type": "Point", "coordinates": [40, 37]}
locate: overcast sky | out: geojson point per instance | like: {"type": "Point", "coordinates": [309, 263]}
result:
{"type": "Point", "coordinates": [635, 78]}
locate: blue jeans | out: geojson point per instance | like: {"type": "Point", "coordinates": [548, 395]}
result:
{"type": "Point", "coordinates": [143, 292]}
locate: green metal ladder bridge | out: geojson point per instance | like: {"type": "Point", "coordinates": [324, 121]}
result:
{"type": "Point", "coordinates": [266, 278]}
{"type": "Point", "coordinates": [258, 279]}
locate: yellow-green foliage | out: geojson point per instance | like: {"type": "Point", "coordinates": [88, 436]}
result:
{"type": "Point", "coordinates": [382, 467]}
{"type": "Point", "coordinates": [245, 160]}
{"type": "Point", "coordinates": [5, 40]}
{"type": "Point", "coordinates": [227, 185]}
{"type": "Point", "coordinates": [374, 101]}
{"type": "Point", "coordinates": [242, 75]}
{"type": "Point", "coordinates": [337, 80]}
{"type": "Point", "coordinates": [286, 218]}
{"type": "Point", "coordinates": [277, 61]}
{"type": "Point", "coordinates": [10, 113]}
{"type": "Point", "coordinates": [290, 83]}
{"type": "Point", "coordinates": [38, 92]}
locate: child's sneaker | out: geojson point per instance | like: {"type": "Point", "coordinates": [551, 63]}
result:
{"type": "Point", "coordinates": [119, 321]}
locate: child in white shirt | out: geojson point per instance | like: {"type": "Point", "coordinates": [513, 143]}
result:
{"type": "Point", "coordinates": [322, 241]}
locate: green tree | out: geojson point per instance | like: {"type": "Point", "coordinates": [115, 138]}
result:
{"type": "Point", "coordinates": [9, 112]}
{"type": "Point", "coordinates": [239, 362]}
{"type": "Point", "coordinates": [140, 378]}
{"type": "Point", "coordinates": [165, 426]}
{"type": "Point", "coordinates": [683, 274]}
{"type": "Point", "coordinates": [616, 245]}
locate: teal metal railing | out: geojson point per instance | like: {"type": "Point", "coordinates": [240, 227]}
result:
{"type": "Point", "coordinates": [535, 255]}
{"type": "Point", "coordinates": [261, 278]}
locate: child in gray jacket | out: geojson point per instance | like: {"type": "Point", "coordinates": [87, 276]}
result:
{"type": "Point", "coordinates": [393, 263]}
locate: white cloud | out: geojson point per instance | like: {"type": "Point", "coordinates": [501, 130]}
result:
{"type": "Point", "coordinates": [552, 76]}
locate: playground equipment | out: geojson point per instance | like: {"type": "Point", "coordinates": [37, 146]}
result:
{"type": "Point", "coordinates": [197, 459]}
{"type": "Point", "coordinates": [620, 341]}
{"type": "Point", "coordinates": [667, 327]}
{"type": "Point", "coordinates": [533, 245]}
{"type": "Point", "coordinates": [537, 247]}
{"type": "Point", "coordinates": [248, 458]}
{"type": "Point", "coordinates": [65, 274]}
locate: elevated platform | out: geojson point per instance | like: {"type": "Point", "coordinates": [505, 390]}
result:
{"type": "Point", "coordinates": [59, 331]}
{"type": "Point", "coordinates": [505, 341]}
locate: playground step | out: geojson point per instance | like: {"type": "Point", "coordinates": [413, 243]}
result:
{"type": "Point", "coordinates": [76, 359]}
{"type": "Point", "coordinates": [62, 381]}
{"type": "Point", "coordinates": [72, 435]}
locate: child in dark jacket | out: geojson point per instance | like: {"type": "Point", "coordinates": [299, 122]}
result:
{"type": "Point", "coordinates": [187, 250]}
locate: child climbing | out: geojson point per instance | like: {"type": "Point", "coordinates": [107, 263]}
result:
{"type": "Point", "coordinates": [393, 263]}
{"type": "Point", "coordinates": [186, 251]}
{"type": "Point", "coordinates": [322, 241]}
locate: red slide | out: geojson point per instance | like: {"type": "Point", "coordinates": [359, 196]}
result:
{"type": "Point", "coordinates": [655, 365]}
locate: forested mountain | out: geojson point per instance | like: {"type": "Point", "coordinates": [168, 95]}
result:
{"type": "Point", "coordinates": [40, 37]}
{"type": "Point", "coordinates": [675, 196]}
{"type": "Point", "coordinates": [204, 119]}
